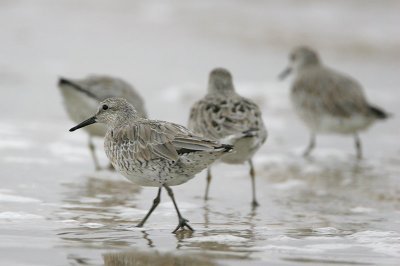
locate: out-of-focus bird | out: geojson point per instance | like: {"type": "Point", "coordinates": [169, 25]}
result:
{"type": "Point", "coordinates": [226, 116]}
{"type": "Point", "coordinates": [328, 101]}
{"type": "Point", "coordinates": [82, 96]}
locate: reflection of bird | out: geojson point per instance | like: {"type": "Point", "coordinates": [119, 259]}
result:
{"type": "Point", "coordinates": [230, 118]}
{"type": "Point", "coordinates": [328, 101]}
{"type": "Point", "coordinates": [153, 153]}
{"type": "Point", "coordinates": [82, 96]}
{"type": "Point", "coordinates": [153, 257]}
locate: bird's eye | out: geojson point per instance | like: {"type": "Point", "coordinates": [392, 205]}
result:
{"type": "Point", "coordinates": [105, 107]}
{"type": "Point", "coordinates": [292, 57]}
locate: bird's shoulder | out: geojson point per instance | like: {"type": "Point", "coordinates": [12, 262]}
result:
{"type": "Point", "coordinates": [327, 80]}
{"type": "Point", "coordinates": [150, 131]}
{"type": "Point", "coordinates": [338, 93]}
{"type": "Point", "coordinates": [151, 139]}
{"type": "Point", "coordinates": [225, 106]}
{"type": "Point", "coordinates": [145, 140]}
{"type": "Point", "coordinates": [218, 117]}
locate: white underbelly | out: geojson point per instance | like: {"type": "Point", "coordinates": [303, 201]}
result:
{"type": "Point", "coordinates": [243, 150]}
{"type": "Point", "coordinates": [325, 123]}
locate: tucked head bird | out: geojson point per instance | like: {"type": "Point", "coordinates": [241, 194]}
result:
{"type": "Point", "coordinates": [82, 96]}
{"type": "Point", "coordinates": [328, 101]}
{"type": "Point", "coordinates": [226, 116]}
{"type": "Point", "coordinates": [151, 152]}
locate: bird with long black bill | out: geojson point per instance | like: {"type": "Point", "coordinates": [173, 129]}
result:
{"type": "Point", "coordinates": [152, 152]}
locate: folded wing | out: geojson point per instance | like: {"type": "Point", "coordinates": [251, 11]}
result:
{"type": "Point", "coordinates": [146, 141]}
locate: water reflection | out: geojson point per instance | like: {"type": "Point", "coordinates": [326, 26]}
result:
{"type": "Point", "coordinates": [78, 260]}
{"type": "Point", "coordinates": [315, 207]}
{"type": "Point", "coordinates": [328, 175]}
{"type": "Point", "coordinates": [146, 236]}
{"type": "Point", "coordinates": [136, 258]}
{"type": "Point", "coordinates": [320, 261]}
{"type": "Point", "coordinates": [92, 211]}
{"type": "Point", "coordinates": [92, 215]}
{"type": "Point", "coordinates": [107, 189]}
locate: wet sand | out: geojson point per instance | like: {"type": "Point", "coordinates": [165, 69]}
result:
{"type": "Point", "coordinates": [327, 210]}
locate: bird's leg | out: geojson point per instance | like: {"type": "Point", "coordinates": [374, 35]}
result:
{"type": "Point", "coordinates": [208, 183]}
{"type": "Point", "coordinates": [254, 203]}
{"type": "Point", "coordinates": [182, 221]}
{"type": "Point", "coordinates": [310, 146]}
{"type": "Point", "coordinates": [156, 201]}
{"type": "Point", "coordinates": [358, 146]}
{"type": "Point", "coordinates": [93, 153]}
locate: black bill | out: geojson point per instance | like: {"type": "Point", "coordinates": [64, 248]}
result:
{"type": "Point", "coordinates": [85, 123]}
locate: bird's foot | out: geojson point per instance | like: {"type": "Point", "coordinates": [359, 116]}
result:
{"type": "Point", "coordinates": [140, 224]}
{"type": "Point", "coordinates": [182, 223]}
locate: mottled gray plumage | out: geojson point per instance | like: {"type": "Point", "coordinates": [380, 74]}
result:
{"type": "Point", "coordinates": [230, 118]}
{"type": "Point", "coordinates": [151, 152]}
{"type": "Point", "coordinates": [82, 96]}
{"type": "Point", "coordinates": [328, 101]}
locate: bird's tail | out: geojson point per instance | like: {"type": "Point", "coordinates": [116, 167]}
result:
{"type": "Point", "coordinates": [379, 113]}
{"type": "Point", "coordinates": [252, 132]}
{"type": "Point", "coordinates": [232, 139]}
{"type": "Point", "coordinates": [227, 147]}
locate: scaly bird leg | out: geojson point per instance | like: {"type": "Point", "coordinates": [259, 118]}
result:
{"type": "Point", "coordinates": [357, 141]}
{"type": "Point", "coordinates": [254, 203]}
{"type": "Point", "coordinates": [311, 146]}
{"type": "Point", "coordinates": [208, 183]}
{"type": "Point", "coordinates": [93, 153]}
{"type": "Point", "coordinates": [156, 201]}
{"type": "Point", "coordinates": [182, 221]}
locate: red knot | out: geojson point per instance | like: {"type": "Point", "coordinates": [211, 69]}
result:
{"type": "Point", "coordinates": [328, 101]}
{"type": "Point", "coordinates": [230, 118]}
{"type": "Point", "coordinates": [151, 152]}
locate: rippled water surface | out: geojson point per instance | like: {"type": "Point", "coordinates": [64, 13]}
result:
{"type": "Point", "coordinates": [329, 209]}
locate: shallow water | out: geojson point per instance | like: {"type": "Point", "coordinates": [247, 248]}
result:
{"type": "Point", "coordinates": [329, 209]}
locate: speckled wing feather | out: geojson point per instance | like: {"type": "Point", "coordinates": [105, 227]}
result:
{"type": "Point", "coordinates": [147, 140]}
{"type": "Point", "coordinates": [327, 91]}
{"type": "Point", "coordinates": [218, 117]}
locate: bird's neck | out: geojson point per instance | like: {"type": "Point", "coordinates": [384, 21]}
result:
{"type": "Point", "coordinates": [221, 89]}
{"type": "Point", "coordinates": [308, 67]}
{"type": "Point", "coordinates": [128, 116]}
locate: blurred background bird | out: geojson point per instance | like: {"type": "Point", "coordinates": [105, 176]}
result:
{"type": "Point", "coordinates": [328, 101]}
{"type": "Point", "coordinates": [82, 97]}
{"type": "Point", "coordinates": [230, 118]}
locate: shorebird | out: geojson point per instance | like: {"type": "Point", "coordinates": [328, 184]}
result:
{"type": "Point", "coordinates": [328, 101]}
{"type": "Point", "coordinates": [82, 96]}
{"type": "Point", "coordinates": [226, 116]}
{"type": "Point", "coordinates": [151, 152]}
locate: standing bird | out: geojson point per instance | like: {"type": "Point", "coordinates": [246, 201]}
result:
{"type": "Point", "coordinates": [82, 96]}
{"type": "Point", "coordinates": [153, 153]}
{"type": "Point", "coordinates": [328, 101]}
{"type": "Point", "coordinates": [230, 118]}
